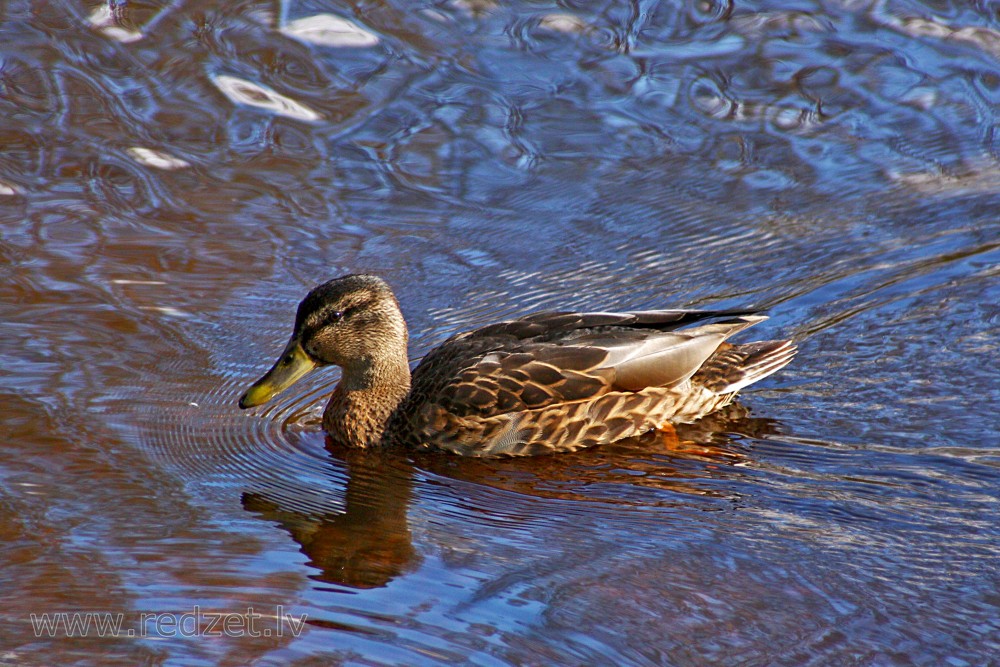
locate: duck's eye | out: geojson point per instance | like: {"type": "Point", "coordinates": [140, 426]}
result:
{"type": "Point", "coordinates": [333, 316]}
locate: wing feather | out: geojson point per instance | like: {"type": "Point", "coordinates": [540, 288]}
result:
{"type": "Point", "coordinates": [551, 358]}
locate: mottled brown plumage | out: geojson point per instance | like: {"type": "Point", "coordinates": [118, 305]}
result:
{"type": "Point", "coordinates": [548, 382]}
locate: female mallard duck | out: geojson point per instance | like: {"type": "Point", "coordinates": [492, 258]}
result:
{"type": "Point", "coordinates": [549, 382]}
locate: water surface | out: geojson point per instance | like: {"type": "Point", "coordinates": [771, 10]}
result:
{"type": "Point", "coordinates": [175, 176]}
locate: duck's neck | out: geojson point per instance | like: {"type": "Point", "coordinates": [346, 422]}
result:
{"type": "Point", "coordinates": [360, 406]}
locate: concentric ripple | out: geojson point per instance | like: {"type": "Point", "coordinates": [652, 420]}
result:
{"type": "Point", "coordinates": [207, 439]}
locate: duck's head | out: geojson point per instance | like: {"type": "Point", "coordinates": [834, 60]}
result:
{"type": "Point", "coordinates": [353, 322]}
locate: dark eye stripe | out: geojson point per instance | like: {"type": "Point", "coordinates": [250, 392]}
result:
{"type": "Point", "coordinates": [347, 312]}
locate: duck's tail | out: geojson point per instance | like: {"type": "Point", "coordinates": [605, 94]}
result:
{"type": "Point", "coordinates": [733, 367]}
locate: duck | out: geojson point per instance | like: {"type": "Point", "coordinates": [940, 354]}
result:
{"type": "Point", "coordinates": [544, 383]}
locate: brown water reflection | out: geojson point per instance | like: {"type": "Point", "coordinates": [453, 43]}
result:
{"type": "Point", "coordinates": [173, 179]}
{"type": "Point", "coordinates": [367, 544]}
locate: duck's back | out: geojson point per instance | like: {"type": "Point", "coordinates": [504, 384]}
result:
{"type": "Point", "coordinates": [563, 381]}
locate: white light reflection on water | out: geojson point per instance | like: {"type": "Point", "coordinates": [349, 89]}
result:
{"type": "Point", "coordinates": [330, 30]}
{"type": "Point", "coordinates": [260, 96]}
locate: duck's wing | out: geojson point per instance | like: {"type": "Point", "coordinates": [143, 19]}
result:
{"type": "Point", "coordinates": [553, 325]}
{"type": "Point", "coordinates": [552, 358]}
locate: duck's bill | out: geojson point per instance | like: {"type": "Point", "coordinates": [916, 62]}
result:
{"type": "Point", "coordinates": [291, 365]}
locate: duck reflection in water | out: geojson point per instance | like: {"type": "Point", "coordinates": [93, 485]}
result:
{"type": "Point", "coordinates": [368, 544]}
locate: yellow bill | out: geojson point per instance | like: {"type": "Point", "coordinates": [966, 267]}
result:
{"type": "Point", "coordinates": [291, 365]}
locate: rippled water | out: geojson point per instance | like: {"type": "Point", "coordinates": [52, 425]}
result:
{"type": "Point", "coordinates": [175, 176]}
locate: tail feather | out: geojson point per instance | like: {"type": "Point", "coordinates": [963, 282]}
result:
{"type": "Point", "coordinates": [734, 367]}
